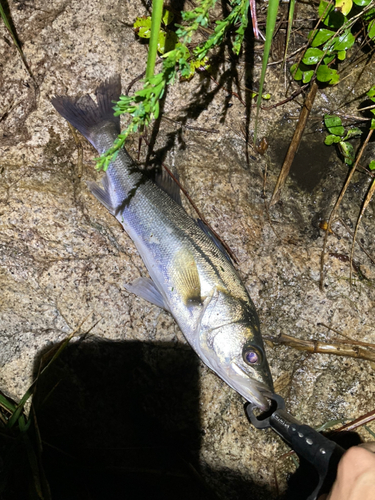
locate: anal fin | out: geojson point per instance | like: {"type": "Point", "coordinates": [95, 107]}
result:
{"type": "Point", "coordinates": [146, 289]}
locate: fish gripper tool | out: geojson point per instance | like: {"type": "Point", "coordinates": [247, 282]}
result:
{"type": "Point", "coordinates": [319, 451]}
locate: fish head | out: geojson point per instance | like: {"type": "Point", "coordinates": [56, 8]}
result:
{"type": "Point", "coordinates": [235, 352]}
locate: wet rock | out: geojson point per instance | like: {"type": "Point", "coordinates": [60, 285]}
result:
{"type": "Point", "coordinates": [64, 260]}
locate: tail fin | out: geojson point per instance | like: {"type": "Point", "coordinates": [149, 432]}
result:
{"type": "Point", "coordinates": [85, 114]}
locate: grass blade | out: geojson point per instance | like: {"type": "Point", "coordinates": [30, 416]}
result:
{"type": "Point", "coordinates": [5, 403]}
{"type": "Point", "coordinates": [273, 8]}
{"type": "Point", "coordinates": [59, 348]}
{"type": "Point", "coordinates": [9, 27]}
{"type": "Point", "coordinates": [290, 25]}
{"type": "Point", "coordinates": [15, 39]}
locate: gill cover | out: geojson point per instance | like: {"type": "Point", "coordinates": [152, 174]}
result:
{"type": "Point", "coordinates": [229, 342]}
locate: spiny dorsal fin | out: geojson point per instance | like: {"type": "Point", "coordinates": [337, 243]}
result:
{"type": "Point", "coordinates": [217, 242]}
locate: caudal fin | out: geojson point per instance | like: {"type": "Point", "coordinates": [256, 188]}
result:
{"type": "Point", "coordinates": [85, 114]}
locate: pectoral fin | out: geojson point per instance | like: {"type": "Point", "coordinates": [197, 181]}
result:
{"type": "Point", "coordinates": [146, 289]}
{"type": "Point", "coordinates": [186, 277]}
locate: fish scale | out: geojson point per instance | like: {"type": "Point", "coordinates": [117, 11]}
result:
{"type": "Point", "coordinates": [190, 275]}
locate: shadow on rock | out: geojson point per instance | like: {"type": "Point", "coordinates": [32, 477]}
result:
{"type": "Point", "coordinates": [121, 420]}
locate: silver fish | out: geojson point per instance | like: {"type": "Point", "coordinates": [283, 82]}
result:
{"type": "Point", "coordinates": [190, 276]}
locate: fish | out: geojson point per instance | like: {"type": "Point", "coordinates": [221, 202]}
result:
{"type": "Point", "coordinates": [191, 276]}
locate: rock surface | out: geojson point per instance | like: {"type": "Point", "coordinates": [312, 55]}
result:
{"type": "Point", "coordinates": [64, 260]}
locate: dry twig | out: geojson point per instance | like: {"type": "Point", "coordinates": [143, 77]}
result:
{"type": "Point", "coordinates": [294, 145]}
{"type": "Point", "coordinates": [350, 348]}
{"type": "Point", "coordinates": [337, 204]}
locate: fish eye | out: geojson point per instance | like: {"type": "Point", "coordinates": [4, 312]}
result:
{"type": "Point", "coordinates": [252, 355]}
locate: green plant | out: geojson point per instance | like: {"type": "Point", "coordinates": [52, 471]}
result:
{"type": "Point", "coordinates": [13, 34]}
{"type": "Point", "coordinates": [179, 61]}
{"type": "Point", "coordinates": [339, 136]}
{"type": "Point", "coordinates": [330, 44]}
{"type": "Point", "coordinates": [21, 435]}
{"type": "Point", "coordinates": [166, 40]}
{"type": "Point", "coordinates": [270, 28]}
{"type": "Point", "coordinates": [371, 95]}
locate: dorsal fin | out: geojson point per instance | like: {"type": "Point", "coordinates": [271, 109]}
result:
{"type": "Point", "coordinates": [165, 182]}
{"type": "Point", "coordinates": [217, 242]}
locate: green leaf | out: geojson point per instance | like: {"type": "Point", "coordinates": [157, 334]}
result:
{"type": "Point", "coordinates": [166, 41]}
{"type": "Point", "coordinates": [312, 56]}
{"type": "Point", "coordinates": [142, 27]}
{"type": "Point", "coordinates": [240, 32]}
{"type": "Point", "coordinates": [341, 55]}
{"type": "Point", "coordinates": [327, 75]}
{"type": "Point", "coordinates": [334, 125]}
{"type": "Point", "coordinates": [7, 403]}
{"type": "Point", "coordinates": [369, 15]}
{"type": "Point", "coordinates": [322, 36]}
{"type": "Point", "coordinates": [296, 72]}
{"type": "Point", "coordinates": [372, 127]}
{"type": "Point", "coordinates": [347, 151]}
{"type": "Point", "coordinates": [344, 6]}
{"type": "Point", "coordinates": [332, 121]}
{"type": "Point", "coordinates": [331, 18]}
{"type": "Point", "coordinates": [371, 29]}
{"type": "Point", "coordinates": [371, 92]}
{"type": "Point", "coordinates": [362, 3]}
{"type": "Point", "coordinates": [168, 17]}
{"type": "Point", "coordinates": [335, 78]}
{"type": "Point", "coordinates": [324, 10]}
{"type": "Point", "coordinates": [144, 32]}
{"type": "Point", "coordinates": [307, 75]}
{"type": "Point", "coordinates": [327, 59]}
{"type": "Point", "coordinates": [331, 139]}
{"type": "Point", "coordinates": [193, 65]}
{"type": "Point", "coordinates": [14, 36]}
{"type": "Point", "coordinates": [161, 41]}
{"type": "Point", "coordinates": [156, 110]}
{"type": "Point", "coordinates": [372, 165]}
{"type": "Point", "coordinates": [344, 41]}
{"type": "Point", "coordinates": [353, 132]}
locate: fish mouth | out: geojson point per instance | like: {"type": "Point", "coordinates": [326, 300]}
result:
{"type": "Point", "coordinates": [254, 391]}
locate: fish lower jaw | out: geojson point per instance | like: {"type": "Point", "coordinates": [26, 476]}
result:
{"type": "Point", "coordinates": [253, 391]}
